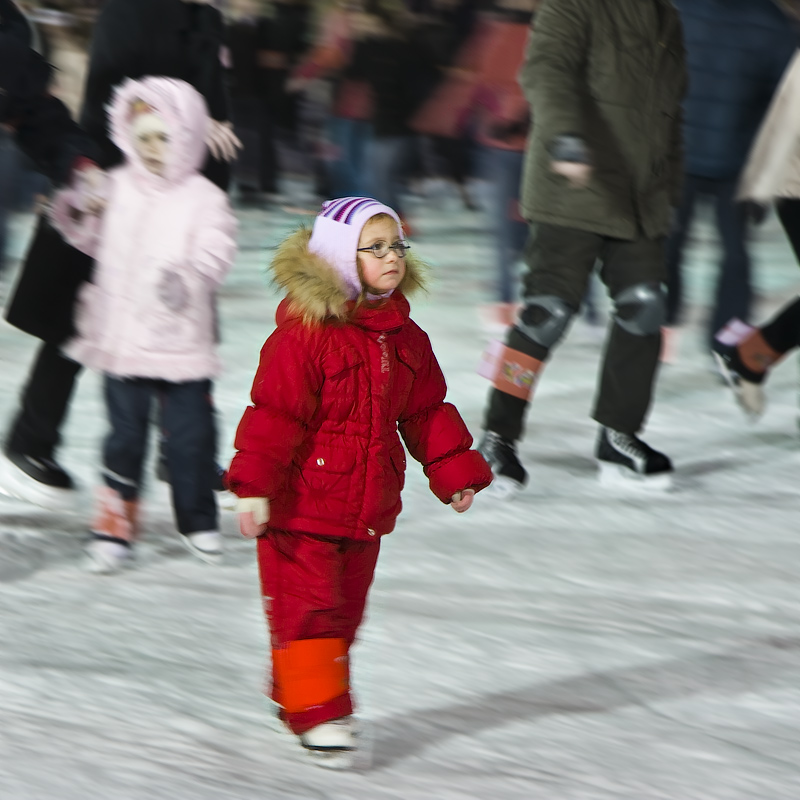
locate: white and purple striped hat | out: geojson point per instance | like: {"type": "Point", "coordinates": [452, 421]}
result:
{"type": "Point", "coordinates": [337, 229]}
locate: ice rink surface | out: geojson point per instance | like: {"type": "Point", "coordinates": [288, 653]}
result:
{"type": "Point", "coordinates": [568, 645]}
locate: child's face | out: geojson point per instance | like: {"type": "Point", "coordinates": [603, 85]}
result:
{"type": "Point", "coordinates": [151, 142]}
{"type": "Point", "coordinates": [380, 275]}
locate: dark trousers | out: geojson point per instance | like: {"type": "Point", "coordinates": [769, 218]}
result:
{"type": "Point", "coordinates": [733, 293]}
{"type": "Point", "coordinates": [782, 332]}
{"type": "Point", "coordinates": [8, 176]}
{"type": "Point", "coordinates": [189, 442]}
{"type": "Point", "coordinates": [256, 166]}
{"type": "Point", "coordinates": [44, 403]}
{"type": "Point", "coordinates": [503, 168]}
{"type": "Point", "coordinates": [560, 263]}
{"type": "Point", "coordinates": [387, 162]}
{"type": "Point", "coordinates": [349, 140]}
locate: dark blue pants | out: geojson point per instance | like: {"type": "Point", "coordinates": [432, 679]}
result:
{"type": "Point", "coordinates": [349, 139]}
{"type": "Point", "coordinates": [503, 168]}
{"type": "Point", "coordinates": [187, 420]}
{"type": "Point", "coordinates": [387, 161]}
{"type": "Point", "coordinates": [734, 293]}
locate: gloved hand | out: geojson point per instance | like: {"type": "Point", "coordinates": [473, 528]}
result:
{"type": "Point", "coordinates": [462, 500]}
{"type": "Point", "coordinates": [253, 516]}
{"type": "Point", "coordinates": [222, 141]}
{"type": "Point", "coordinates": [577, 174]}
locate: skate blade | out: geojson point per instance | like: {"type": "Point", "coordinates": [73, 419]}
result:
{"type": "Point", "coordinates": [203, 555]}
{"type": "Point", "coordinates": [358, 759]}
{"type": "Point", "coordinates": [14, 483]}
{"type": "Point", "coordinates": [615, 476]}
{"type": "Point", "coordinates": [750, 411]}
{"type": "Point", "coordinates": [503, 488]}
{"type": "Point", "coordinates": [332, 759]}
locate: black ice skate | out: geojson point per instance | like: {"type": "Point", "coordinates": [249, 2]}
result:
{"type": "Point", "coordinates": [37, 480]}
{"type": "Point", "coordinates": [501, 454]}
{"type": "Point", "coordinates": [745, 384]}
{"type": "Point", "coordinates": [626, 460]}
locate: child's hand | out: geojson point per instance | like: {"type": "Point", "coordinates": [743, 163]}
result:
{"type": "Point", "coordinates": [462, 500]}
{"type": "Point", "coordinates": [92, 186]}
{"type": "Point", "coordinates": [253, 516]}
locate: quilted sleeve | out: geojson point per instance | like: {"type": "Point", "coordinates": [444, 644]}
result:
{"type": "Point", "coordinates": [214, 246]}
{"type": "Point", "coordinates": [436, 436]}
{"type": "Point", "coordinates": [285, 396]}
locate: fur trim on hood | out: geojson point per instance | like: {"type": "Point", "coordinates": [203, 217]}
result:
{"type": "Point", "coordinates": [316, 290]}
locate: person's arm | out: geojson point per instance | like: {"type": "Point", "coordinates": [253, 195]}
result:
{"type": "Point", "coordinates": [44, 130]}
{"type": "Point", "coordinates": [553, 78]}
{"type": "Point", "coordinates": [435, 434]}
{"type": "Point", "coordinates": [214, 247]}
{"type": "Point", "coordinates": [285, 396]}
{"type": "Point", "coordinates": [206, 53]}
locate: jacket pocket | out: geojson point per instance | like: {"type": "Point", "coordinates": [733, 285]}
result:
{"type": "Point", "coordinates": [174, 303]}
{"type": "Point", "coordinates": [328, 468]}
{"type": "Point", "coordinates": [409, 357]}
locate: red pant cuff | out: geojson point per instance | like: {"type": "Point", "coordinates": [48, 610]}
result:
{"type": "Point", "coordinates": [302, 721]}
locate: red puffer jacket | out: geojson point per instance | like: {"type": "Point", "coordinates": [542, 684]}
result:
{"type": "Point", "coordinates": [321, 438]}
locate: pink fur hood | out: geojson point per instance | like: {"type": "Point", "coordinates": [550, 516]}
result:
{"type": "Point", "coordinates": [165, 245]}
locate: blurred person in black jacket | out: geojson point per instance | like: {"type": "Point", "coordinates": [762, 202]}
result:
{"type": "Point", "coordinates": [132, 38]}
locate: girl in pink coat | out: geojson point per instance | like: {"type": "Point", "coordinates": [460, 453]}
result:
{"type": "Point", "coordinates": [147, 318]}
{"type": "Point", "coordinates": [320, 464]}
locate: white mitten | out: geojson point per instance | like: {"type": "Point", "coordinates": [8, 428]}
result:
{"type": "Point", "coordinates": [259, 506]}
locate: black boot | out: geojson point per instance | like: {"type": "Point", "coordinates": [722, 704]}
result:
{"type": "Point", "coordinates": [36, 479]}
{"type": "Point", "coordinates": [501, 455]}
{"type": "Point", "coordinates": [626, 457]}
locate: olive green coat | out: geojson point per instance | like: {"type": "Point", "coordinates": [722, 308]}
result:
{"type": "Point", "coordinates": [612, 72]}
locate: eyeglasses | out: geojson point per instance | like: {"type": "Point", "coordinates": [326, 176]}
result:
{"type": "Point", "coordinates": [381, 249]}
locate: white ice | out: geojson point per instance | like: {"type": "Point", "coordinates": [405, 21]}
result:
{"type": "Point", "coordinates": [569, 644]}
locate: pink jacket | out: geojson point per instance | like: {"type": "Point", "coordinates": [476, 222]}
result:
{"type": "Point", "coordinates": [165, 245]}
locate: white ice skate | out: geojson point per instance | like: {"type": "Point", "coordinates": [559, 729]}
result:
{"type": "Point", "coordinates": [332, 744]}
{"type": "Point", "coordinates": [341, 744]}
{"type": "Point", "coordinates": [750, 396]}
{"type": "Point", "coordinates": [206, 545]}
{"type": "Point", "coordinates": [106, 555]}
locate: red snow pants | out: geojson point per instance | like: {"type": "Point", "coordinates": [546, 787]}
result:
{"type": "Point", "coordinates": [315, 590]}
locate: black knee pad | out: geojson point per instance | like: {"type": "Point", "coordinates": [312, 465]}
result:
{"type": "Point", "coordinates": [544, 319]}
{"type": "Point", "coordinates": [641, 309]}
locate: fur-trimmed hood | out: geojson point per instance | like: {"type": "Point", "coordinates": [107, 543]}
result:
{"type": "Point", "coordinates": [184, 111]}
{"type": "Point", "coordinates": [316, 290]}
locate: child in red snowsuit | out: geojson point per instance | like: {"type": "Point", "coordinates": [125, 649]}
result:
{"type": "Point", "coordinates": [320, 466]}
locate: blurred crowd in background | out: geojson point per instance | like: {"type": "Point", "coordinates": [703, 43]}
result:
{"type": "Point", "coordinates": [354, 97]}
